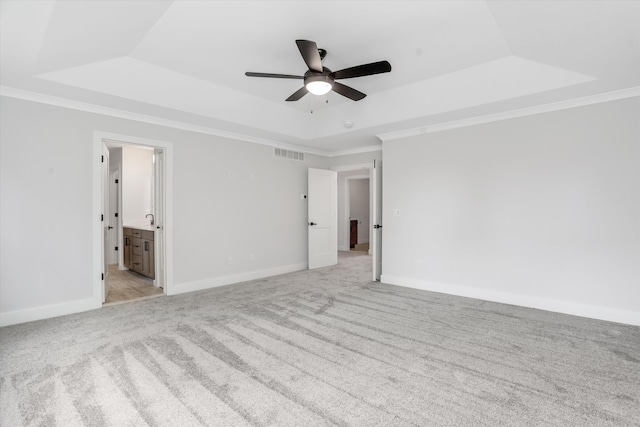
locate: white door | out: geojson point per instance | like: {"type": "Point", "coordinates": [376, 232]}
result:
{"type": "Point", "coordinates": [323, 218]}
{"type": "Point", "coordinates": [376, 209]}
{"type": "Point", "coordinates": [158, 211]}
{"type": "Point", "coordinates": [105, 221]}
{"type": "Point", "coordinates": [113, 219]}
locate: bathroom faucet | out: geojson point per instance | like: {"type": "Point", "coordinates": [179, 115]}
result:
{"type": "Point", "coordinates": [152, 218]}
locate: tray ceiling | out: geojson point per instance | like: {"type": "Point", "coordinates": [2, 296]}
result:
{"type": "Point", "coordinates": [452, 60]}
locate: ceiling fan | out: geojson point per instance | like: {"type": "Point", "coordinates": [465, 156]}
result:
{"type": "Point", "coordinates": [320, 80]}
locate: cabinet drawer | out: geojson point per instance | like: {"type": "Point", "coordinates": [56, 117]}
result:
{"type": "Point", "coordinates": [146, 234]}
{"type": "Point", "coordinates": [137, 263]}
{"type": "Point", "coordinates": [136, 246]}
{"type": "Point", "coordinates": [127, 231]}
{"type": "Point", "coordinates": [135, 232]}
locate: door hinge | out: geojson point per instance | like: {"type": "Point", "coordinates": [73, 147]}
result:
{"type": "Point", "coordinates": [116, 248]}
{"type": "Point", "coordinates": [116, 181]}
{"type": "Point", "coordinates": [101, 159]}
{"type": "Point", "coordinates": [116, 214]}
{"type": "Point", "coordinates": [101, 217]}
{"type": "Point", "coordinates": [377, 226]}
{"type": "Point", "coordinates": [102, 276]}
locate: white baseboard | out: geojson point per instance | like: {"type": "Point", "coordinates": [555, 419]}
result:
{"type": "Point", "coordinates": [344, 248]}
{"type": "Point", "coordinates": [214, 282]}
{"type": "Point", "coordinates": [575, 309]}
{"type": "Point", "coordinates": [47, 311]}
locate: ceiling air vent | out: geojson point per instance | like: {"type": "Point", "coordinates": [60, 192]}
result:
{"type": "Point", "coordinates": [288, 154]}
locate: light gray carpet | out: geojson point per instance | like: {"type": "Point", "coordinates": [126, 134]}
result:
{"type": "Point", "coordinates": [326, 347]}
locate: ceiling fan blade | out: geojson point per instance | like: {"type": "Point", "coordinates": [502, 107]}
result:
{"type": "Point", "coordinates": [347, 91]}
{"type": "Point", "coordinates": [298, 94]}
{"type": "Point", "coordinates": [362, 70]}
{"type": "Point", "coordinates": [275, 76]}
{"type": "Point", "coordinates": [309, 52]}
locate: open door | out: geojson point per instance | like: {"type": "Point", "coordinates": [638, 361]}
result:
{"type": "Point", "coordinates": [114, 179]}
{"type": "Point", "coordinates": [323, 218]}
{"type": "Point", "coordinates": [158, 211]}
{"type": "Point", "coordinates": [376, 210]}
{"type": "Point", "coordinates": [106, 227]}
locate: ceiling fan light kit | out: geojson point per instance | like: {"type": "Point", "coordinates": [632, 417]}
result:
{"type": "Point", "coordinates": [320, 80]}
{"type": "Point", "coordinates": [318, 85]}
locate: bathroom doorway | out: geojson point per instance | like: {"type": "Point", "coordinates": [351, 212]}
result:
{"type": "Point", "coordinates": [134, 218]}
{"type": "Point", "coordinates": [132, 215]}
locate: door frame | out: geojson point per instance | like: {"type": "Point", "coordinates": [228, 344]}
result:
{"type": "Point", "coordinates": [347, 201]}
{"type": "Point", "coordinates": [114, 206]}
{"type": "Point", "coordinates": [98, 138]}
{"type": "Point", "coordinates": [105, 220]}
{"type": "Point", "coordinates": [366, 169]}
{"type": "Point", "coordinates": [370, 171]}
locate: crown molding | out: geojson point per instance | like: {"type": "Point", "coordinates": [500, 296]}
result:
{"type": "Point", "coordinates": [349, 168]}
{"type": "Point", "coordinates": [368, 149]}
{"type": "Point", "coordinates": [384, 137]}
{"type": "Point", "coordinates": [123, 114]}
{"type": "Point", "coordinates": [529, 111]}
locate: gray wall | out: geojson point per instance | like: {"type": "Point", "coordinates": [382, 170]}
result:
{"type": "Point", "coordinates": [46, 196]}
{"type": "Point", "coordinates": [541, 211]}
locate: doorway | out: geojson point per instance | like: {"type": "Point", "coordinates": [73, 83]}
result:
{"type": "Point", "coordinates": [134, 193]}
{"type": "Point", "coordinates": [133, 211]}
{"type": "Point", "coordinates": [357, 202]}
{"type": "Point", "coordinates": [362, 182]}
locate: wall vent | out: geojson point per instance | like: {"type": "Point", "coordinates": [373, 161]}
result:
{"type": "Point", "coordinates": [288, 154]}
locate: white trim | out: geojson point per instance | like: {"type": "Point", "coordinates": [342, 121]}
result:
{"type": "Point", "coordinates": [545, 108]}
{"type": "Point", "coordinates": [98, 138]}
{"type": "Point", "coordinates": [214, 282]}
{"type": "Point", "coordinates": [96, 239]}
{"type": "Point", "coordinates": [389, 136]}
{"type": "Point", "coordinates": [368, 149]}
{"type": "Point", "coordinates": [558, 306]}
{"type": "Point", "coordinates": [357, 177]}
{"type": "Point", "coordinates": [48, 311]}
{"type": "Point", "coordinates": [113, 112]}
{"type": "Point", "coordinates": [349, 168]}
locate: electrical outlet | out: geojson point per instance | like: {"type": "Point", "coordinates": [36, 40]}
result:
{"type": "Point", "coordinates": [230, 176]}
{"type": "Point", "coordinates": [396, 212]}
{"type": "Point", "coordinates": [230, 260]}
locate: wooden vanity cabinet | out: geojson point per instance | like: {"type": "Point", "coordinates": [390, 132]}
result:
{"type": "Point", "coordinates": [139, 251]}
{"type": "Point", "coordinates": [148, 254]}
{"type": "Point", "coordinates": [128, 243]}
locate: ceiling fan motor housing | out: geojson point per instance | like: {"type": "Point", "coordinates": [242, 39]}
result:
{"type": "Point", "coordinates": [314, 76]}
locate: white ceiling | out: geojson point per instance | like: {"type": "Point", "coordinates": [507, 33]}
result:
{"type": "Point", "coordinates": [184, 61]}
